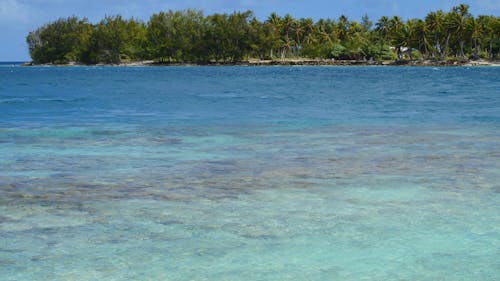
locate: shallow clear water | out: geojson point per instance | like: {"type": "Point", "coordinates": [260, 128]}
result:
{"type": "Point", "coordinates": [249, 173]}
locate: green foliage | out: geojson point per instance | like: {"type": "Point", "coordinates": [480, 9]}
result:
{"type": "Point", "coordinates": [229, 37]}
{"type": "Point", "coordinates": [176, 35]}
{"type": "Point", "coordinates": [60, 41]}
{"type": "Point", "coordinates": [379, 52]}
{"type": "Point", "coordinates": [116, 39]}
{"type": "Point", "coordinates": [189, 36]}
{"type": "Point", "coordinates": [338, 51]}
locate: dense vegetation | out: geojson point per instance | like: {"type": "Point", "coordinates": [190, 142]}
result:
{"type": "Point", "coordinates": [189, 36]}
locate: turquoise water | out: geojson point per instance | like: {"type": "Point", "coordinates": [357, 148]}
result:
{"type": "Point", "coordinates": [249, 173]}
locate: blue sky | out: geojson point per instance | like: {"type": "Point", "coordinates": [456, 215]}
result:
{"type": "Point", "coordinates": [18, 17]}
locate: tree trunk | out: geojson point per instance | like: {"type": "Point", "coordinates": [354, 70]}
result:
{"type": "Point", "coordinates": [437, 48]}
{"type": "Point", "coordinates": [490, 52]}
{"type": "Point", "coordinates": [461, 44]}
{"type": "Point", "coordinates": [476, 52]}
{"type": "Point", "coordinates": [446, 45]}
{"type": "Point", "coordinates": [425, 48]}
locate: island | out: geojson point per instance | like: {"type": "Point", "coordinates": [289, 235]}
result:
{"type": "Point", "coordinates": [189, 37]}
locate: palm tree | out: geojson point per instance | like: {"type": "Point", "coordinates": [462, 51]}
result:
{"type": "Point", "coordinates": [324, 32]}
{"type": "Point", "coordinates": [342, 27]}
{"type": "Point", "coordinates": [383, 27]}
{"type": "Point", "coordinates": [308, 28]}
{"type": "Point", "coordinates": [396, 33]}
{"type": "Point", "coordinates": [457, 25]}
{"type": "Point", "coordinates": [298, 31]}
{"type": "Point", "coordinates": [274, 19]}
{"type": "Point", "coordinates": [487, 27]}
{"type": "Point", "coordinates": [475, 31]}
{"type": "Point", "coordinates": [287, 24]}
{"type": "Point", "coordinates": [274, 22]}
{"type": "Point", "coordinates": [411, 37]}
{"type": "Point", "coordinates": [435, 24]}
{"type": "Point", "coordinates": [420, 34]}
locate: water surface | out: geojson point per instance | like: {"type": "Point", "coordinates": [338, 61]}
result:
{"type": "Point", "coordinates": [249, 173]}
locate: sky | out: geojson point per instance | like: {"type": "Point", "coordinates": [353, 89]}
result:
{"type": "Point", "coordinates": [18, 17]}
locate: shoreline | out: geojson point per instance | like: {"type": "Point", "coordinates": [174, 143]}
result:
{"type": "Point", "coordinates": [289, 62]}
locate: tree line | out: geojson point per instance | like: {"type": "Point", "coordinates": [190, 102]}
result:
{"type": "Point", "coordinates": [190, 36]}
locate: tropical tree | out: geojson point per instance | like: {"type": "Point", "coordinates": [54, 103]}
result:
{"type": "Point", "coordinates": [383, 28]}
{"type": "Point", "coordinates": [61, 41]}
{"type": "Point", "coordinates": [457, 25]}
{"type": "Point", "coordinates": [398, 34]}
{"type": "Point", "coordinates": [435, 24]}
{"type": "Point", "coordinates": [116, 39]}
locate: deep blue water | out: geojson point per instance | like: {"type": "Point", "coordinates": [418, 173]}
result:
{"type": "Point", "coordinates": [249, 173]}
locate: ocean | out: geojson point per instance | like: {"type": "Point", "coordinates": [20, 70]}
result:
{"type": "Point", "coordinates": [249, 173]}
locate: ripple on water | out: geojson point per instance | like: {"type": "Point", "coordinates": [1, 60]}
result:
{"type": "Point", "coordinates": [249, 174]}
